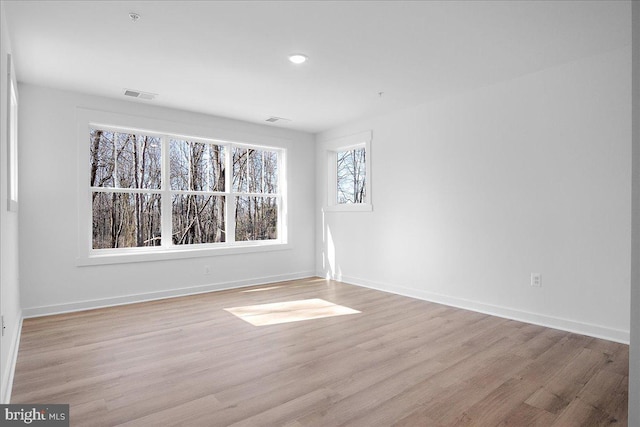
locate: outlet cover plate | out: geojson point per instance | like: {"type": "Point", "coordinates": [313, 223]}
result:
{"type": "Point", "coordinates": [536, 280]}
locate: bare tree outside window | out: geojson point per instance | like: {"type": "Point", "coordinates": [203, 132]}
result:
{"type": "Point", "coordinates": [256, 218]}
{"type": "Point", "coordinates": [197, 167]}
{"type": "Point", "coordinates": [198, 219]}
{"type": "Point", "coordinates": [351, 176]}
{"type": "Point", "coordinates": [130, 163]}
{"type": "Point", "coordinates": [122, 220]}
{"type": "Point", "coordinates": [255, 173]}
{"type": "Point", "coordinates": [126, 173]}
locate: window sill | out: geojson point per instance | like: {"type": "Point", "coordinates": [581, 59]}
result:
{"type": "Point", "coordinates": [161, 254]}
{"type": "Point", "coordinates": [359, 207]}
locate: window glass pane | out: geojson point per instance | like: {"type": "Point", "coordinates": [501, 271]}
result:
{"type": "Point", "coordinates": [198, 219]}
{"type": "Point", "coordinates": [196, 166]}
{"type": "Point", "coordinates": [215, 160]}
{"type": "Point", "coordinates": [179, 156]}
{"type": "Point", "coordinates": [138, 162]}
{"type": "Point", "coordinates": [102, 158]}
{"type": "Point", "coordinates": [256, 218]}
{"type": "Point", "coordinates": [124, 220]}
{"type": "Point", "coordinates": [255, 171]}
{"type": "Point", "coordinates": [270, 172]}
{"type": "Point", "coordinates": [13, 144]}
{"type": "Point", "coordinates": [125, 160]}
{"type": "Point", "coordinates": [240, 179]}
{"type": "Point", "coordinates": [351, 177]}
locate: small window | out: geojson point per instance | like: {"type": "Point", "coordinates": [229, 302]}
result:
{"type": "Point", "coordinates": [12, 138]}
{"type": "Point", "coordinates": [351, 176]}
{"type": "Point", "coordinates": [349, 173]}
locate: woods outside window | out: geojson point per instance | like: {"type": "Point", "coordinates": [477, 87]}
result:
{"type": "Point", "coordinates": [153, 192]}
{"type": "Point", "coordinates": [351, 176]}
{"type": "Point", "coordinates": [12, 138]}
{"type": "Point", "coordinates": [349, 173]}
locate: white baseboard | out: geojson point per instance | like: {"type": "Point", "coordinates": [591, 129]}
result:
{"type": "Point", "coordinates": [150, 296]}
{"type": "Point", "coordinates": [597, 331]}
{"type": "Point", "coordinates": [7, 379]}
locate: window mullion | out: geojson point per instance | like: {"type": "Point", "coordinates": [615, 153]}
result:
{"type": "Point", "coordinates": [230, 199]}
{"type": "Point", "coordinates": [115, 159]}
{"type": "Point", "coordinates": [190, 171]}
{"type": "Point", "coordinates": [280, 190]}
{"type": "Point", "coordinates": [262, 186]}
{"type": "Point", "coordinates": [166, 202]}
{"type": "Point", "coordinates": [231, 218]}
{"type": "Point", "coordinates": [247, 169]}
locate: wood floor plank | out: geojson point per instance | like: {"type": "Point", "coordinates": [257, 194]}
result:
{"type": "Point", "coordinates": [580, 414]}
{"type": "Point", "coordinates": [505, 399]}
{"type": "Point", "coordinates": [195, 412]}
{"type": "Point", "coordinates": [605, 391]}
{"type": "Point", "coordinates": [400, 361]}
{"type": "Point", "coordinates": [317, 399]}
{"type": "Point", "coordinates": [547, 401]}
{"type": "Point", "coordinates": [526, 415]}
{"type": "Point", "coordinates": [562, 388]}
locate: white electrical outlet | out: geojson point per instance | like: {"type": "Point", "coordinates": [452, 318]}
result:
{"type": "Point", "coordinates": [536, 280]}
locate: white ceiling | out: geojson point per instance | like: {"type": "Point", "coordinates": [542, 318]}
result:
{"type": "Point", "coordinates": [230, 58]}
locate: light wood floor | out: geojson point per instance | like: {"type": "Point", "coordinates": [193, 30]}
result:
{"type": "Point", "coordinates": [404, 362]}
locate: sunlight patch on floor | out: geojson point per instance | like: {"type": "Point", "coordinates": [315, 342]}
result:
{"type": "Point", "coordinates": [289, 311]}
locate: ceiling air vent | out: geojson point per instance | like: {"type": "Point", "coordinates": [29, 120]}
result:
{"type": "Point", "coordinates": [139, 94]}
{"type": "Point", "coordinates": [274, 119]}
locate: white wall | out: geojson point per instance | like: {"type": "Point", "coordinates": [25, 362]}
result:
{"type": "Point", "coordinates": [9, 288]}
{"type": "Point", "coordinates": [50, 279]}
{"type": "Point", "coordinates": [473, 193]}
{"type": "Point", "coordinates": [634, 348]}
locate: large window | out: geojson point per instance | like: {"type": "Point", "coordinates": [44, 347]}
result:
{"type": "Point", "coordinates": [157, 192]}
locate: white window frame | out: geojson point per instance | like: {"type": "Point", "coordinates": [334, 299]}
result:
{"type": "Point", "coordinates": [93, 119]}
{"type": "Point", "coordinates": [12, 137]}
{"type": "Point", "coordinates": [359, 140]}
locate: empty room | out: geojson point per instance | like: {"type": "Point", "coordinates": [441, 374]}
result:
{"type": "Point", "coordinates": [320, 213]}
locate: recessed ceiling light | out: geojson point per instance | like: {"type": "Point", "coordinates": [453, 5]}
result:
{"type": "Point", "coordinates": [274, 119]}
{"type": "Point", "coordinates": [298, 58]}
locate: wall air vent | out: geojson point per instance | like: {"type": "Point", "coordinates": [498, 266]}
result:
{"type": "Point", "coordinates": [139, 94]}
{"type": "Point", "coordinates": [274, 119]}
